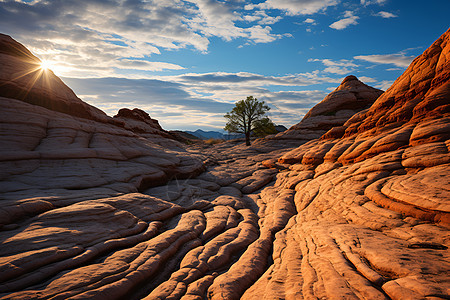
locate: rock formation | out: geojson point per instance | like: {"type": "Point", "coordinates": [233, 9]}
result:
{"type": "Point", "coordinates": [22, 78]}
{"type": "Point", "coordinates": [60, 148]}
{"type": "Point", "coordinates": [142, 117]}
{"type": "Point", "coordinates": [361, 213]}
{"type": "Point", "coordinates": [350, 97]}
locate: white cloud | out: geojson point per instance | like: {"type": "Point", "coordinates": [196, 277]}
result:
{"type": "Point", "coordinates": [203, 98]}
{"type": "Point", "coordinates": [214, 18]}
{"type": "Point", "coordinates": [310, 21]}
{"type": "Point", "coordinates": [384, 85]}
{"type": "Point", "coordinates": [337, 70]}
{"type": "Point", "coordinates": [341, 67]}
{"type": "Point", "coordinates": [221, 80]}
{"type": "Point", "coordinates": [366, 79]}
{"type": "Point", "coordinates": [144, 65]}
{"type": "Point", "coordinates": [252, 18]}
{"type": "Point", "coordinates": [296, 7]}
{"type": "Point", "coordinates": [398, 59]}
{"type": "Point", "coordinates": [262, 18]}
{"type": "Point", "coordinates": [370, 2]}
{"type": "Point", "coordinates": [94, 38]}
{"type": "Point", "coordinates": [259, 34]}
{"type": "Point", "coordinates": [386, 15]}
{"type": "Point", "coordinates": [348, 14]}
{"type": "Point", "coordinates": [349, 19]}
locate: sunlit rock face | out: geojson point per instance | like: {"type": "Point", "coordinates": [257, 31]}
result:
{"type": "Point", "coordinates": [140, 116]}
{"type": "Point", "coordinates": [55, 148]}
{"type": "Point", "coordinates": [23, 78]}
{"type": "Point", "coordinates": [373, 208]}
{"type": "Point", "coordinates": [362, 213]}
{"type": "Point", "coordinates": [350, 97]}
{"type": "Point", "coordinates": [419, 94]}
{"type": "Point", "coordinates": [140, 122]}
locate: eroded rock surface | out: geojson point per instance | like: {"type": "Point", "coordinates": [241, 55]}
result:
{"type": "Point", "coordinates": [350, 97]}
{"type": "Point", "coordinates": [365, 216]}
{"type": "Point", "coordinates": [22, 78]}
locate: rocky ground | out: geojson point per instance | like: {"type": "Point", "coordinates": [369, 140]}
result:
{"type": "Point", "coordinates": [351, 203]}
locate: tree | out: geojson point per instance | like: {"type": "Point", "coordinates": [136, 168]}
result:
{"type": "Point", "coordinates": [249, 116]}
{"type": "Point", "coordinates": [264, 127]}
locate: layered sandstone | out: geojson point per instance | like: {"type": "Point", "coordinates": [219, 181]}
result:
{"type": "Point", "coordinates": [372, 208]}
{"type": "Point", "coordinates": [365, 216]}
{"type": "Point", "coordinates": [22, 78]}
{"type": "Point", "coordinates": [59, 150]}
{"type": "Point", "coordinates": [421, 92]}
{"type": "Point", "coordinates": [350, 97]}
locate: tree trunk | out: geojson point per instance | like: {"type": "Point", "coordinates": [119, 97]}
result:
{"type": "Point", "coordinates": [248, 131]}
{"type": "Point", "coordinates": [247, 138]}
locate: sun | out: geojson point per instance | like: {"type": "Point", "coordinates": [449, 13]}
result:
{"type": "Point", "coordinates": [45, 65]}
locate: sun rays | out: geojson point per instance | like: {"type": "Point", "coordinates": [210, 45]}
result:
{"type": "Point", "coordinates": [37, 75]}
{"type": "Point", "coordinates": [45, 65]}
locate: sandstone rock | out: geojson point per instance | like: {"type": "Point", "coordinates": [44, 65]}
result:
{"type": "Point", "coordinates": [23, 78]}
{"type": "Point", "coordinates": [420, 93]}
{"type": "Point", "coordinates": [63, 144]}
{"type": "Point", "coordinates": [376, 188]}
{"type": "Point", "coordinates": [364, 216]}
{"type": "Point", "coordinates": [350, 97]}
{"type": "Point", "coordinates": [140, 122]}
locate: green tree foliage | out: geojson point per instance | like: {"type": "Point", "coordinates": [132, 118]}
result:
{"type": "Point", "coordinates": [264, 127]}
{"type": "Point", "coordinates": [249, 116]}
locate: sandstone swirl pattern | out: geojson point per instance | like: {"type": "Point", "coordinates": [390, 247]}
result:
{"type": "Point", "coordinates": [103, 208]}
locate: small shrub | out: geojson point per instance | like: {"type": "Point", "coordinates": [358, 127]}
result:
{"type": "Point", "coordinates": [213, 141]}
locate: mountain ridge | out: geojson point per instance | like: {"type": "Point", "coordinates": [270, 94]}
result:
{"type": "Point", "coordinates": [209, 134]}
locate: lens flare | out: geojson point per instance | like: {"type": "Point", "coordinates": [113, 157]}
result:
{"type": "Point", "coordinates": [45, 65]}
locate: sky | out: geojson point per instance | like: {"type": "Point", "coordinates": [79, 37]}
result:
{"type": "Point", "coordinates": [186, 62]}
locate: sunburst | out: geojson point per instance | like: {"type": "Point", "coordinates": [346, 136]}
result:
{"type": "Point", "coordinates": [45, 65]}
{"type": "Point", "coordinates": [38, 73]}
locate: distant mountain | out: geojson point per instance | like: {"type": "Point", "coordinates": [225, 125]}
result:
{"type": "Point", "coordinates": [280, 128]}
{"type": "Point", "coordinates": [205, 135]}
{"type": "Point", "coordinates": [184, 137]}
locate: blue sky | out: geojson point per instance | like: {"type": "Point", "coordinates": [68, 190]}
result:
{"type": "Point", "coordinates": [186, 62]}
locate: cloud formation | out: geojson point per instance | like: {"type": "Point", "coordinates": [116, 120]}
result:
{"type": "Point", "coordinates": [369, 2]}
{"type": "Point", "coordinates": [103, 38]}
{"type": "Point", "coordinates": [384, 85]}
{"type": "Point", "coordinates": [398, 59]}
{"type": "Point", "coordinates": [296, 7]}
{"type": "Point", "coordinates": [349, 19]}
{"type": "Point", "coordinates": [95, 38]}
{"type": "Point", "coordinates": [201, 100]}
{"type": "Point", "coordinates": [386, 15]}
{"type": "Point", "coordinates": [310, 21]}
{"type": "Point", "coordinates": [341, 67]}
{"type": "Point", "coordinates": [114, 53]}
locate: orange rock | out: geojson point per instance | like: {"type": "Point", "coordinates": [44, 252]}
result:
{"type": "Point", "coordinates": [350, 97]}
{"type": "Point", "coordinates": [421, 92]}
{"type": "Point", "coordinates": [364, 216]}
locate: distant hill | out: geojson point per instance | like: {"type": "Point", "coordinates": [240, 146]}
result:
{"type": "Point", "coordinates": [185, 134]}
{"type": "Point", "coordinates": [205, 135]}
{"type": "Point", "coordinates": [280, 128]}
